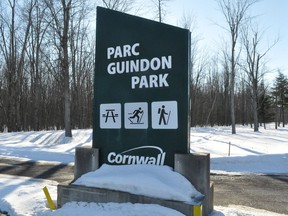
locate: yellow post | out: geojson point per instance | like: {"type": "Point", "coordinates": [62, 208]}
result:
{"type": "Point", "coordinates": [49, 200]}
{"type": "Point", "coordinates": [197, 210]}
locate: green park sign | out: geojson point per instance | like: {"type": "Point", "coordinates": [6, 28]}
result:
{"type": "Point", "coordinates": [141, 90]}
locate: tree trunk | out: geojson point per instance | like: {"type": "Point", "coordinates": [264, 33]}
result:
{"type": "Point", "coordinates": [232, 87]}
{"type": "Point", "coordinates": [65, 70]}
{"type": "Point", "coordinates": [255, 115]}
{"type": "Point", "coordinates": [255, 106]}
{"type": "Point", "coordinates": [283, 114]}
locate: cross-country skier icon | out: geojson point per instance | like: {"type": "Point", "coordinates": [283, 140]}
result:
{"type": "Point", "coordinates": [163, 115]}
{"type": "Point", "coordinates": [138, 114]}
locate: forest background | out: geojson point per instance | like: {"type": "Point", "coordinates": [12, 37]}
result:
{"type": "Point", "coordinates": [47, 57]}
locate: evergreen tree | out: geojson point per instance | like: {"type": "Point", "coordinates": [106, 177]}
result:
{"type": "Point", "coordinates": [266, 111]}
{"type": "Point", "coordinates": [280, 92]}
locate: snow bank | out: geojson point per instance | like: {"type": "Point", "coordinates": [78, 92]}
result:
{"type": "Point", "coordinates": [47, 146]}
{"type": "Point", "coordinates": [22, 196]}
{"type": "Point", "coordinates": [112, 209]}
{"type": "Point", "coordinates": [147, 180]}
{"type": "Point", "coordinates": [235, 210]}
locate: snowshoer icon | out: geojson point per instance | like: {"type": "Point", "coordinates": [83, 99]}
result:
{"type": "Point", "coordinates": [163, 115]}
{"type": "Point", "coordinates": [138, 113]}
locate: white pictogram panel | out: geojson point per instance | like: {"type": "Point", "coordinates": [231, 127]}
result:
{"type": "Point", "coordinates": [136, 115]}
{"type": "Point", "coordinates": [110, 116]}
{"type": "Point", "coordinates": [164, 115]}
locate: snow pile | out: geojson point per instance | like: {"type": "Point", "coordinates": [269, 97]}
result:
{"type": "Point", "coordinates": [112, 209]}
{"type": "Point", "coordinates": [235, 210]}
{"type": "Point", "coordinates": [148, 180]}
{"type": "Point", "coordinates": [21, 196]}
{"type": "Point", "coordinates": [128, 209]}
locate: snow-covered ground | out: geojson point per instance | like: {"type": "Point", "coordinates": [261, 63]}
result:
{"type": "Point", "coordinates": [264, 152]}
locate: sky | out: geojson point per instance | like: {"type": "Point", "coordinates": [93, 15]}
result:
{"type": "Point", "coordinates": [208, 22]}
{"type": "Point", "coordinates": [271, 17]}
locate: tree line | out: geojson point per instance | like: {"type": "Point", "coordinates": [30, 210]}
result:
{"type": "Point", "coordinates": [47, 57]}
{"type": "Point", "coordinates": [47, 63]}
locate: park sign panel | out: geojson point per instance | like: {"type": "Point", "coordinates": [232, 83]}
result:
{"type": "Point", "coordinates": [141, 90]}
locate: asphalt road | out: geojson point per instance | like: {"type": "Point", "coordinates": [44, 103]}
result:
{"type": "Point", "coordinates": [257, 191]}
{"type": "Point", "coordinates": [57, 172]}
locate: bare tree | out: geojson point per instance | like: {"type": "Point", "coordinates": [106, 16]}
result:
{"type": "Point", "coordinates": [82, 64]}
{"type": "Point", "coordinates": [198, 67]}
{"type": "Point", "coordinates": [66, 6]}
{"type": "Point", "coordinates": [235, 13]}
{"type": "Point", "coordinates": [36, 71]}
{"type": "Point", "coordinates": [40, 48]}
{"type": "Point", "coordinates": [160, 6]}
{"type": "Point", "coordinates": [213, 89]}
{"type": "Point", "coordinates": [198, 62]}
{"type": "Point", "coordinates": [119, 5]}
{"type": "Point", "coordinates": [61, 22]}
{"type": "Point", "coordinates": [254, 67]}
{"type": "Point", "coordinates": [226, 86]}
{"type": "Point", "coordinates": [8, 50]}
{"type": "Point", "coordinates": [14, 38]}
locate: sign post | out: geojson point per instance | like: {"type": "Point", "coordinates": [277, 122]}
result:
{"type": "Point", "coordinates": [141, 92]}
